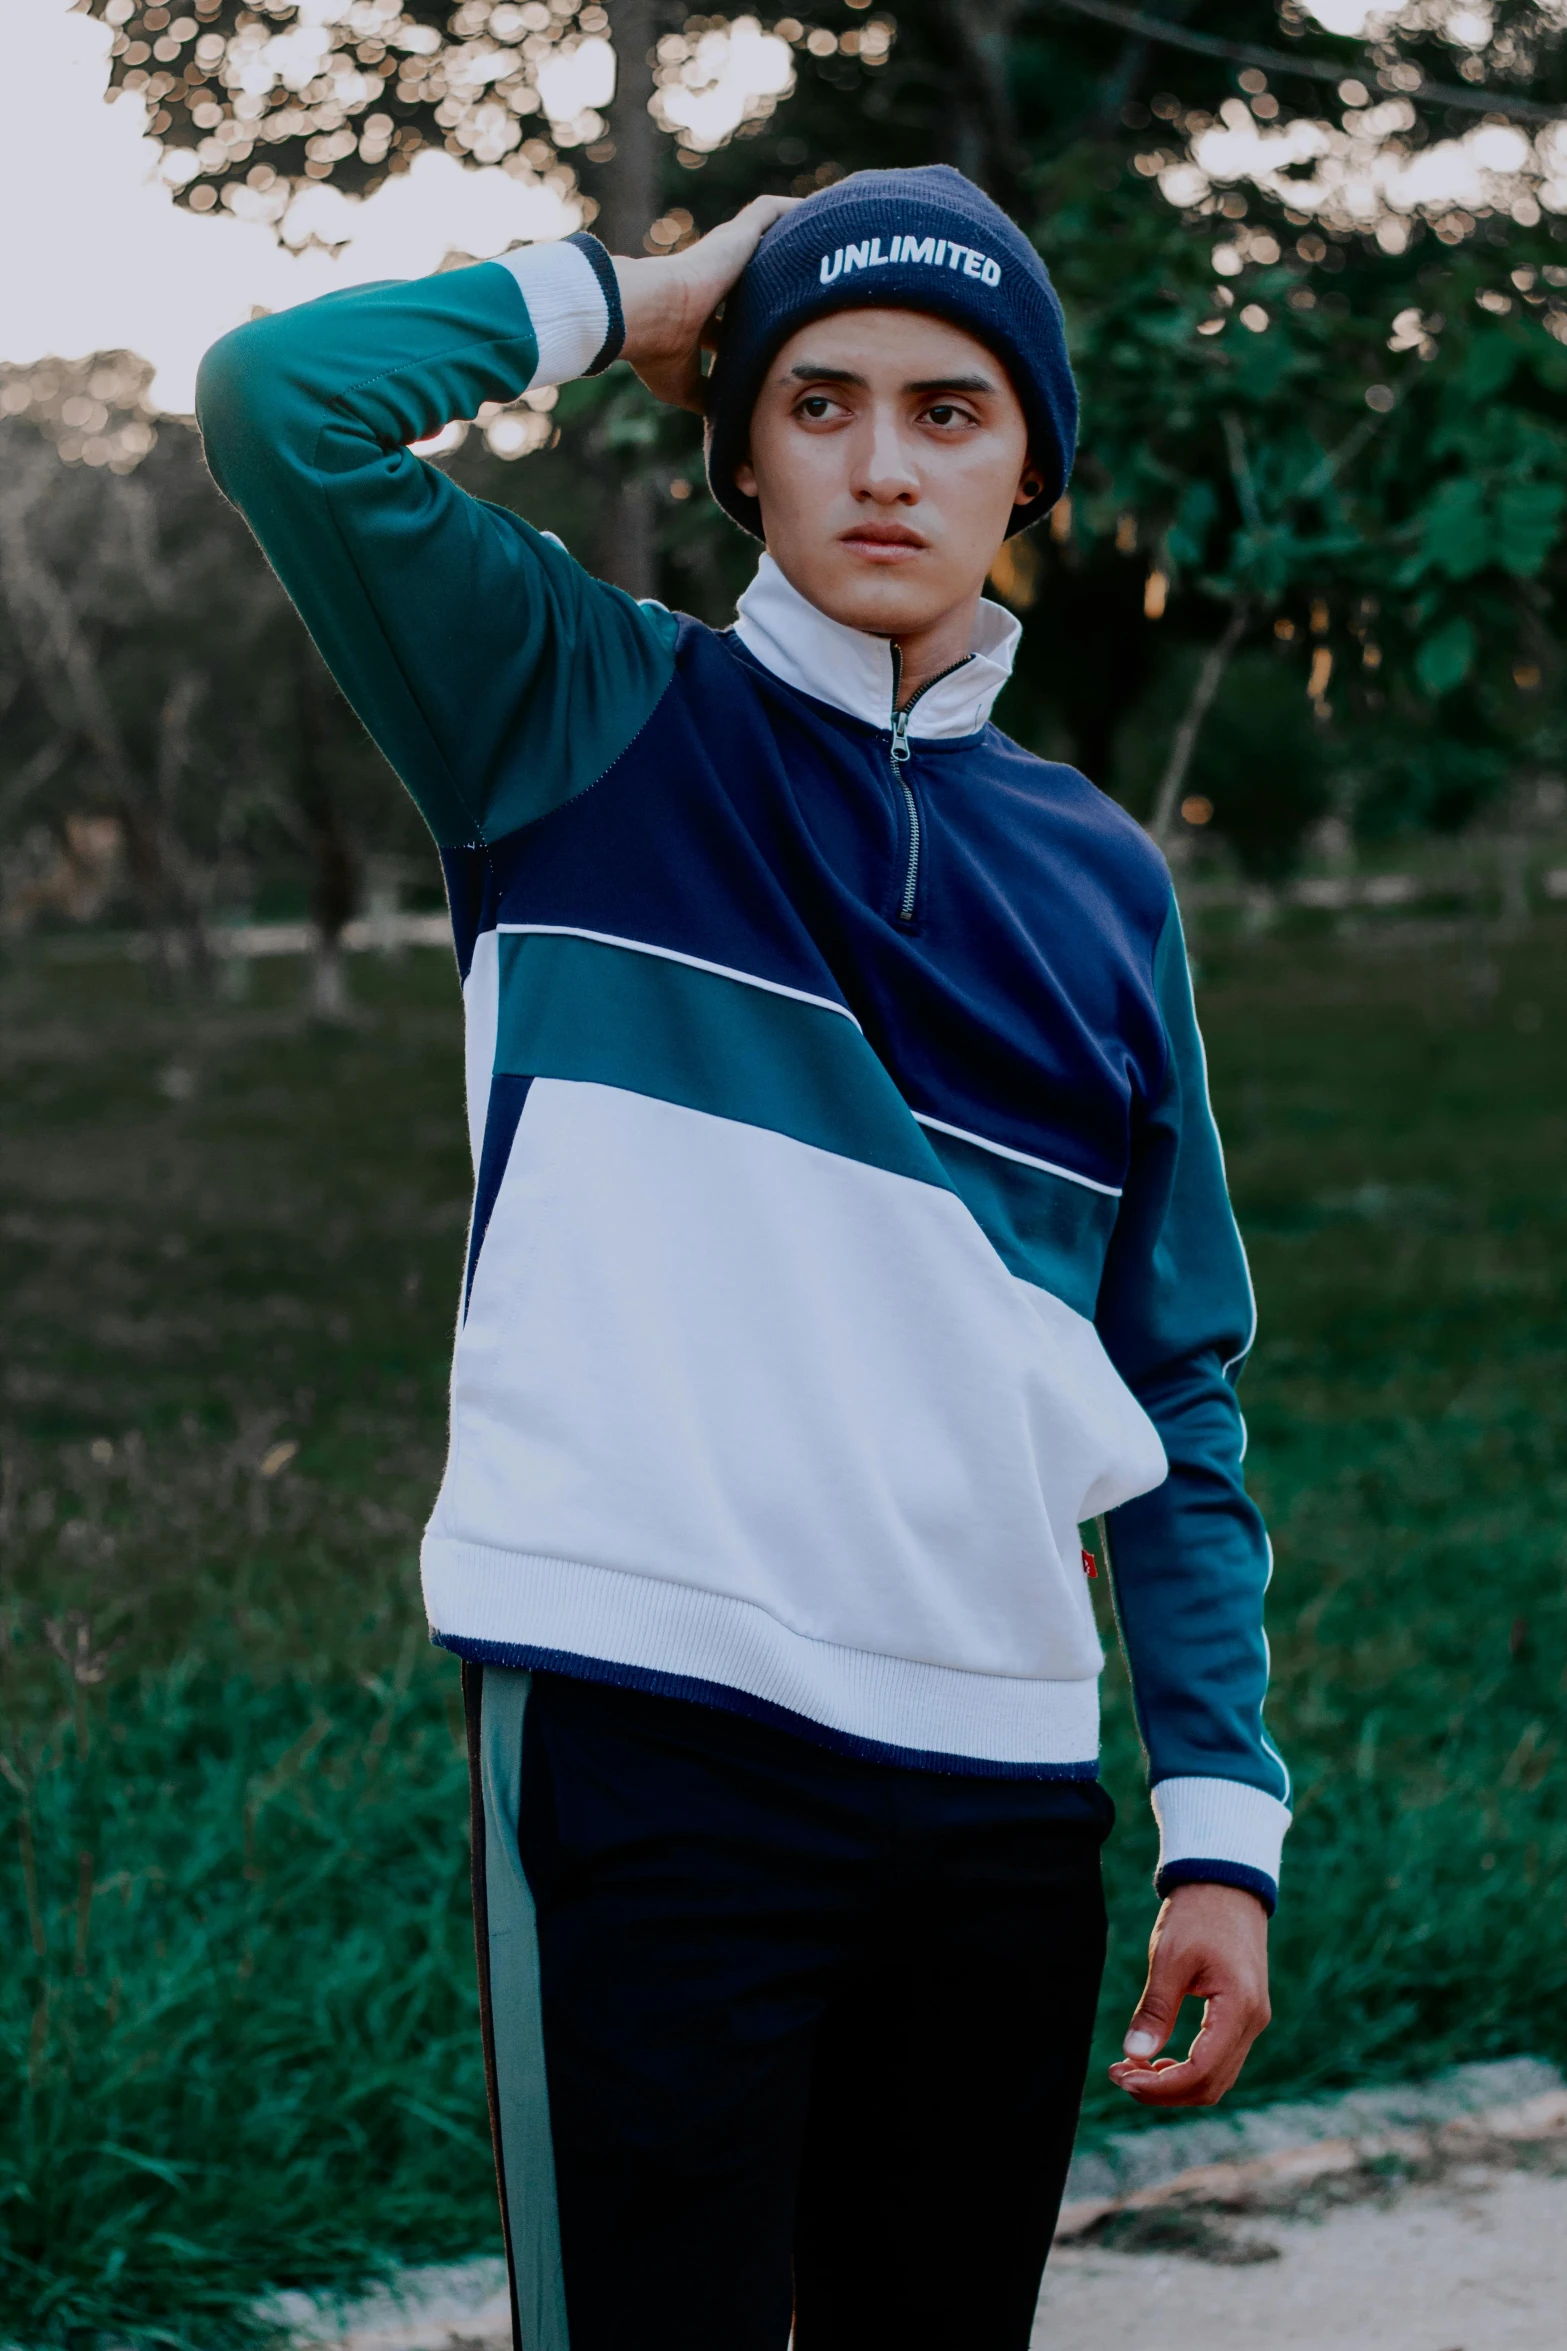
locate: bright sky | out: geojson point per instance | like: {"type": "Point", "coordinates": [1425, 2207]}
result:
{"type": "Point", "coordinates": [96, 256]}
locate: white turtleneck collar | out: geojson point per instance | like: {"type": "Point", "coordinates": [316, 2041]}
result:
{"type": "Point", "coordinates": [786, 633]}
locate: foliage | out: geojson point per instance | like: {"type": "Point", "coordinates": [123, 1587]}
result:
{"type": "Point", "coordinates": [254, 100]}
{"type": "Point", "coordinates": [1347, 424]}
{"type": "Point", "coordinates": [1393, 516]}
{"type": "Point", "coordinates": [225, 1388]}
{"type": "Point", "coordinates": [153, 672]}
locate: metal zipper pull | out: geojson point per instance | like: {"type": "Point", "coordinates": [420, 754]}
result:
{"type": "Point", "coordinates": [901, 755]}
{"type": "Point", "coordinates": [900, 760]}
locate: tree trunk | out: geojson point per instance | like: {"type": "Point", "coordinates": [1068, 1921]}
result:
{"type": "Point", "coordinates": [174, 755]}
{"type": "Point", "coordinates": [1209, 678]}
{"type": "Point", "coordinates": [984, 123]}
{"type": "Point", "coordinates": [628, 205]}
{"type": "Point", "coordinates": [335, 891]}
{"type": "Point", "coordinates": [628, 182]}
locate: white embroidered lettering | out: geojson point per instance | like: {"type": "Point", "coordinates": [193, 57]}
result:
{"type": "Point", "coordinates": [928, 252]}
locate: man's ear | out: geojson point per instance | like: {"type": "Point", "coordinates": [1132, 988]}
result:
{"type": "Point", "coordinates": [1029, 487]}
{"type": "Point", "coordinates": [745, 478]}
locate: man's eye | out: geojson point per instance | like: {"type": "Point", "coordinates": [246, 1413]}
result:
{"type": "Point", "coordinates": [816, 405]}
{"type": "Point", "coordinates": [943, 412]}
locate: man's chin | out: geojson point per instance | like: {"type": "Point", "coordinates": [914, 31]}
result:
{"type": "Point", "coordinates": [884, 601]}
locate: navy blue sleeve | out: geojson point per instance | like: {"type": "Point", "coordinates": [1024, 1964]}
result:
{"type": "Point", "coordinates": [1190, 1562]}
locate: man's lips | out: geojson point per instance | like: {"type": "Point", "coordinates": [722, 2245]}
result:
{"type": "Point", "coordinates": [882, 542]}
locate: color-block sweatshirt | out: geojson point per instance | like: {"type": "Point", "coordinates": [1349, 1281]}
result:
{"type": "Point", "coordinates": [850, 1224]}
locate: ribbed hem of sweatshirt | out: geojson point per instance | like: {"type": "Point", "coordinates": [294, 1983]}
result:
{"type": "Point", "coordinates": [518, 1608]}
{"type": "Point", "coordinates": [568, 309]}
{"type": "Point", "coordinates": [1219, 1831]}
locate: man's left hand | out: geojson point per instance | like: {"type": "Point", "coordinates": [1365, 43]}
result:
{"type": "Point", "coordinates": [1209, 1943]}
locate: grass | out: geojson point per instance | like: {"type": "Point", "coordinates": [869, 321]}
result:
{"type": "Point", "coordinates": [237, 2039]}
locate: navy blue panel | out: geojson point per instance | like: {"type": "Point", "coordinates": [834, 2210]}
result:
{"type": "Point", "coordinates": [507, 1096]}
{"type": "Point", "coordinates": [522, 1657]}
{"type": "Point", "coordinates": [1218, 1873]}
{"type": "Point", "coordinates": [753, 826]}
{"type": "Point", "coordinates": [471, 896]}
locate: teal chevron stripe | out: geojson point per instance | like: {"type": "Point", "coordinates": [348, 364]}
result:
{"type": "Point", "coordinates": [631, 1017]}
{"type": "Point", "coordinates": [1044, 1228]}
{"type": "Point", "coordinates": [616, 1016]}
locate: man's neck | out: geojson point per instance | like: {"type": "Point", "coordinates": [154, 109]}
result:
{"type": "Point", "coordinates": [928, 653]}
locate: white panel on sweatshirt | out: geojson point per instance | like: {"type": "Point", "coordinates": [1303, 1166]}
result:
{"type": "Point", "coordinates": [566, 307]}
{"type": "Point", "coordinates": [706, 1354]}
{"type": "Point", "coordinates": [481, 996]}
{"type": "Point", "coordinates": [513, 1600]}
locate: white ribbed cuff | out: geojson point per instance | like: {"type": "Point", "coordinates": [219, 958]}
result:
{"type": "Point", "coordinates": [1220, 1820]}
{"type": "Point", "coordinates": [566, 306]}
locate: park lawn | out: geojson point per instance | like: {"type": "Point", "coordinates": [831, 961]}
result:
{"type": "Point", "coordinates": [237, 2026]}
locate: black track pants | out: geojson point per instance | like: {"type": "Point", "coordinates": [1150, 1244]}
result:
{"type": "Point", "coordinates": [772, 2032]}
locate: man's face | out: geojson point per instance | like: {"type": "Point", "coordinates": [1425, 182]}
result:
{"type": "Point", "coordinates": [888, 451]}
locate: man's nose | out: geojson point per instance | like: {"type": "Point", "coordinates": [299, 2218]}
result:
{"type": "Point", "coordinates": [885, 470]}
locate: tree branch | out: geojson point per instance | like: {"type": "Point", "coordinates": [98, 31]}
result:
{"type": "Point", "coordinates": [1240, 470]}
{"type": "Point", "coordinates": [1312, 69]}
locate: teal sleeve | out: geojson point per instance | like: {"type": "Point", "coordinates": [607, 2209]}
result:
{"type": "Point", "coordinates": [1190, 1561]}
{"type": "Point", "coordinates": [498, 677]}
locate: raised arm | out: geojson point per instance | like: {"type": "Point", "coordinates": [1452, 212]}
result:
{"type": "Point", "coordinates": [495, 673]}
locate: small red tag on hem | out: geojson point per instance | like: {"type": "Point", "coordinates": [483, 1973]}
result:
{"type": "Point", "coordinates": [1089, 1567]}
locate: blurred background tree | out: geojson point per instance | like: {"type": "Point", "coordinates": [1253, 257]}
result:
{"type": "Point", "coordinates": [171, 739]}
{"type": "Point", "coordinates": [1315, 283]}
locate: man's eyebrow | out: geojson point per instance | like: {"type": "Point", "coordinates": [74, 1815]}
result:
{"type": "Point", "coordinates": [808, 374]}
{"type": "Point", "coordinates": [952, 384]}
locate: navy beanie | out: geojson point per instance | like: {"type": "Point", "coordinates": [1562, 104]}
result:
{"type": "Point", "coordinates": [906, 240]}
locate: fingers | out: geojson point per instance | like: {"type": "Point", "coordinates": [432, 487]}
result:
{"type": "Point", "coordinates": [716, 260]}
{"type": "Point", "coordinates": [1169, 1980]}
{"type": "Point", "coordinates": [667, 304]}
{"type": "Point", "coordinates": [752, 222]}
{"type": "Point", "coordinates": [1210, 2067]}
{"type": "Point", "coordinates": [1209, 1943]}
{"type": "Point", "coordinates": [767, 209]}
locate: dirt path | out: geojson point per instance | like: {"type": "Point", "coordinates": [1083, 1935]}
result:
{"type": "Point", "coordinates": [1475, 2262]}
{"type": "Point", "coordinates": [1427, 2218]}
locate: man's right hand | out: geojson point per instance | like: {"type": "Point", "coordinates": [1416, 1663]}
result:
{"type": "Point", "coordinates": [668, 303]}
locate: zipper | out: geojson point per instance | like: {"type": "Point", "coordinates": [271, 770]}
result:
{"type": "Point", "coordinates": [901, 755]}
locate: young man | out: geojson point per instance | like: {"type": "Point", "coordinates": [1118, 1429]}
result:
{"type": "Point", "coordinates": [849, 1225]}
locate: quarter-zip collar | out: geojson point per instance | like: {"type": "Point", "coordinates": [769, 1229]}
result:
{"type": "Point", "coordinates": [858, 673]}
